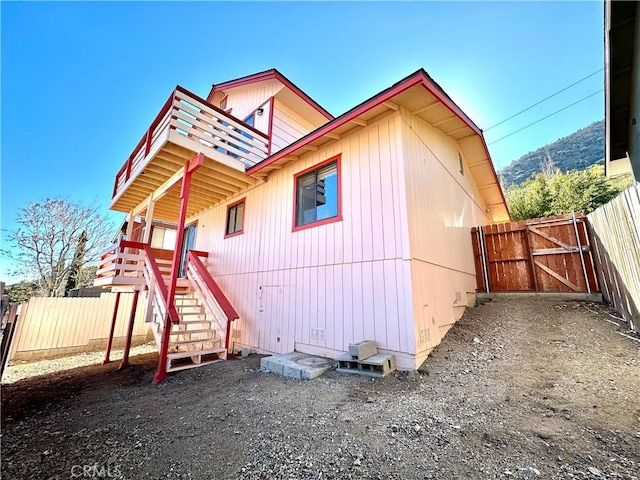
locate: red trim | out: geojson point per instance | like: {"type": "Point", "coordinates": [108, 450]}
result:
{"type": "Point", "coordinates": [346, 117]}
{"type": "Point", "coordinates": [189, 168]}
{"type": "Point", "coordinates": [419, 77]}
{"type": "Point", "coordinates": [132, 317]}
{"type": "Point", "coordinates": [268, 75]}
{"type": "Point", "coordinates": [244, 211]}
{"type": "Point", "coordinates": [272, 102]}
{"type": "Point", "coordinates": [217, 292]}
{"type": "Point", "coordinates": [112, 330]}
{"type": "Point", "coordinates": [338, 217]}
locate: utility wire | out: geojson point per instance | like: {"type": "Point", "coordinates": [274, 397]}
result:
{"type": "Point", "coordinates": [543, 100]}
{"type": "Point", "coordinates": [550, 115]}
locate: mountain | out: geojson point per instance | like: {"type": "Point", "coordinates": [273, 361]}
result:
{"type": "Point", "coordinates": [577, 151]}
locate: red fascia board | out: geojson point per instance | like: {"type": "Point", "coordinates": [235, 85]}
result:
{"type": "Point", "coordinates": [268, 75]}
{"type": "Point", "coordinates": [341, 120]}
{"type": "Point", "coordinates": [436, 91]}
{"type": "Point", "coordinates": [420, 76]}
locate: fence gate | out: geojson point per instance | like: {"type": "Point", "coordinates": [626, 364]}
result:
{"type": "Point", "coordinates": [550, 254]}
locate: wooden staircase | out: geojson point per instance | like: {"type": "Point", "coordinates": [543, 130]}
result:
{"type": "Point", "coordinates": [195, 340]}
{"type": "Point", "coordinates": [199, 315]}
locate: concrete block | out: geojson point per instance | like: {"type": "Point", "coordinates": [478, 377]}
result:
{"type": "Point", "coordinates": [381, 363]}
{"type": "Point", "coordinates": [291, 372]}
{"type": "Point", "coordinates": [273, 367]}
{"type": "Point", "coordinates": [363, 350]}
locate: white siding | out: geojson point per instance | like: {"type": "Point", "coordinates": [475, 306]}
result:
{"type": "Point", "coordinates": [243, 101]}
{"type": "Point", "coordinates": [442, 206]}
{"type": "Point", "coordinates": [347, 280]}
{"type": "Point", "coordinates": [287, 127]}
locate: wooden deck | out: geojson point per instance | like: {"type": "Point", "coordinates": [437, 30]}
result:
{"type": "Point", "coordinates": [188, 125]}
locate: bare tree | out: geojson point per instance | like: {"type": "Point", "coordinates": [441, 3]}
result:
{"type": "Point", "coordinates": [548, 166]}
{"type": "Point", "coordinates": [56, 239]}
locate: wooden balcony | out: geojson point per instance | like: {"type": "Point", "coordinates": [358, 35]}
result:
{"type": "Point", "coordinates": [188, 125]}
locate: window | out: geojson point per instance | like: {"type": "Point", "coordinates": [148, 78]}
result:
{"type": "Point", "coordinates": [235, 219]}
{"type": "Point", "coordinates": [250, 120]}
{"type": "Point", "coordinates": [188, 242]}
{"type": "Point", "coordinates": [461, 162]}
{"type": "Point", "coordinates": [317, 195]}
{"type": "Point", "coordinates": [223, 103]}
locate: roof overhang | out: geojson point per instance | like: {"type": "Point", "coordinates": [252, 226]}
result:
{"type": "Point", "coordinates": [291, 95]}
{"type": "Point", "coordinates": [422, 96]}
{"type": "Point", "coordinates": [621, 24]}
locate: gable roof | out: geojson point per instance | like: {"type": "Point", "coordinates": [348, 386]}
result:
{"type": "Point", "coordinates": [422, 96]}
{"type": "Point", "coordinates": [270, 74]}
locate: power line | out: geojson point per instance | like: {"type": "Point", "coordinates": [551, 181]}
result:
{"type": "Point", "coordinates": [543, 100]}
{"type": "Point", "coordinates": [550, 115]}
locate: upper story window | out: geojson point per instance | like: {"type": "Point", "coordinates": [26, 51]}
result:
{"type": "Point", "coordinates": [223, 103]}
{"type": "Point", "coordinates": [317, 195]}
{"type": "Point", "coordinates": [251, 120]}
{"type": "Point", "coordinates": [235, 219]}
{"type": "Point", "coordinates": [461, 163]}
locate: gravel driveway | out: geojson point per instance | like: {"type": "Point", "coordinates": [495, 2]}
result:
{"type": "Point", "coordinates": [526, 388]}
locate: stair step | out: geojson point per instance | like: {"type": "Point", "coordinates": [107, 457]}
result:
{"type": "Point", "coordinates": [193, 322]}
{"type": "Point", "coordinates": [190, 313]}
{"type": "Point", "coordinates": [177, 343]}
{"type": "Point", "coordinates": [193, 353]}
{"type": "Point", "coordinates": [193, 365]}
{"type": "Point", "coordinates": [188, 332]}
{"type": "Point", "coordinates": [187, 300]}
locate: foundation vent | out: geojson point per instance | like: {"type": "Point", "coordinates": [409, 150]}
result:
{"type": "Point", "coordinates": [424, 335]}
{"type": "Point", "coordinates": [317, 334]}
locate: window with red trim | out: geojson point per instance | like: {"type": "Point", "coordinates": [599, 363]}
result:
{"type": "Point", "coordinates": [235, 219]}
{"type": "Point", "coordinates": [223, 103]}
{"type": "Point", "coordinates": [317, 195]}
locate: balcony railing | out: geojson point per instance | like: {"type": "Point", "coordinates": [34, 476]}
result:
{"type": "Point", "coordinates": [207, 129]}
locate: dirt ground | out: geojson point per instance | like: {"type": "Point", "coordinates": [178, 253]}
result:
{"type": "Point", "coordinates": [517, 389]}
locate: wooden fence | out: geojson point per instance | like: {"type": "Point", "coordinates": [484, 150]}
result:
{"type": "Point", "coordinates": [550, 254]}
{"type": "Point", "coordinates": [52, 327]}
{"type": "Point", "coordinates": [615, 232]}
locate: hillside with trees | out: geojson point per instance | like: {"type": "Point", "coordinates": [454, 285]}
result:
{"type": "Point", "coordinates": [577, 151]}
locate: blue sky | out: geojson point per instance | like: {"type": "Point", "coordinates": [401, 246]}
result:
{"type": "Point", "coordinates": [81, 82]}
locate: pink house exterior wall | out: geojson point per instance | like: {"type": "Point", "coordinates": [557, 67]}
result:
{"type": "Point", "coordinates": [442, 205]}
{"type": "Point", "coordinates": [319, 289]}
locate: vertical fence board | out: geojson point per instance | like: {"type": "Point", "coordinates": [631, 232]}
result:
{"type": "Point", "coordinates": [615, 229]}
{"type": "Point", "coordinates": [51, 326]}
{"type": "Point", "coordinates": [535, 255]}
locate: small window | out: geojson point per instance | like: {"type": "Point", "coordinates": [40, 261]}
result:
{"type": "Point", "coordinates": [318, 195]}
{"type": "Point", "coordinates": [223, 103]}
{"type": "Point", "coordinates": [235, 219]}
{"type": "Point", "coordinates": [461, 163]}
{"type": "Point", "coordinates": [250, 120]}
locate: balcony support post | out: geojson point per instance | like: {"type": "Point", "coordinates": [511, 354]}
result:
{"type": "Point", "coordinates": [132, 317]}
{"type": "Point", "coordinates": [112, 330]}
{"type": "Point", "coordinates": [148, 223]}
{"type": "Point", "coordinates": [172, 314]}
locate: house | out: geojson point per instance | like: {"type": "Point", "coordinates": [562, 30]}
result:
{"type": "Point", "coordinates": [302, 231]}
{"type": "Point", "coordinates": [622, 87]}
